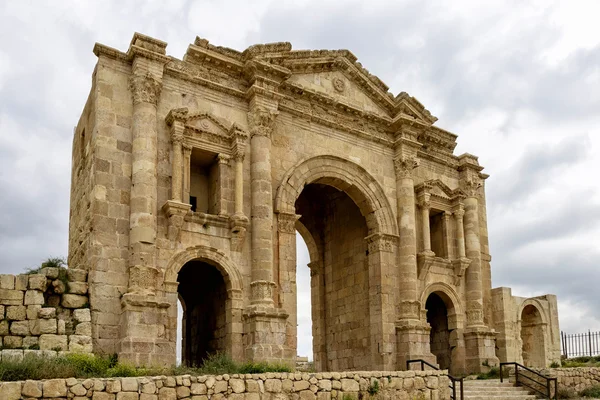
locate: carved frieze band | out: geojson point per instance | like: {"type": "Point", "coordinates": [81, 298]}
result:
{"type": "Point", "coordinates": [261, 121]}
{"type": "Point", "coordinates": [404, 166]}
{"type": "Point", "coordinates": [145, 89]}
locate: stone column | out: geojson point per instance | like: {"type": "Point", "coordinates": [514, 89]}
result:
{"type": "Point", "coordinates": [145, 317]}
{"type": "Point", "coordinates": [425, 206]}
{"type": "Point", "coordinates": [448, 235]}
{"type": "Point", "coordinates": [473, 252]}
{"type": "Point", "coordinates": [221, 208]}
{"type": "Point", "coordinates": [261, 121]}
{"type": "Point", "coordinates": [177, 171]}
{"type": "Point", "coordinates": [459, 213]}
{"type": "Point", "coordinates": [412, 335]}
{"type": "Point", "coordinates": [319, 321]}
{"type": "Point", "coordinates": [187, 160]}
{"type": "Point", "coordinates": [382, 300]}
{"type": "Point", "coordinates": [239, 185]}
{"type": "Point", "coordinates": [145, 89]}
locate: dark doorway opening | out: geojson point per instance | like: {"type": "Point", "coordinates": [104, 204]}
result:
{"type": "Point", "coordinates": [439, 338]}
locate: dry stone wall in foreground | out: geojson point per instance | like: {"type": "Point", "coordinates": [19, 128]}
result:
{"type": "Point", "coordinates": [576, 378]}
{"type": "Point", "coordinates": [322, 386]}
{"type": "Point", "coordinates": [44, 313]}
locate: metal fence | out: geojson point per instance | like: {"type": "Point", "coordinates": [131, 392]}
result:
{"type": "Point", "coordinates": [580, 344]}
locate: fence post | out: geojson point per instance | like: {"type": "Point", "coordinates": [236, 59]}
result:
{"type": "Point", "coordinates": [590, 340]}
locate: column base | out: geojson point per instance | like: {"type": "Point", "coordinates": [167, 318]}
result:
{"type": "Point", "coordinates": [412, 342]}
{"type": "Point", "coordinates": [480, 349]}
{"type": "Point", "coordinates": [265, 335]}
{"type": "Point", "coordinates": [144, 326]}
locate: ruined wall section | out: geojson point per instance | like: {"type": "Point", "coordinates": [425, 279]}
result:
{"type": "Point", "coordinates": [45, 312]}
{"type": "Point", "coordinates": [109, 209]}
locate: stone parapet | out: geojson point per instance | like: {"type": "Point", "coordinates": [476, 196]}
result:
{"type": "Point", "coordinates": [574, 378]}
{"type": "Point", "coordinates": [321, 386]}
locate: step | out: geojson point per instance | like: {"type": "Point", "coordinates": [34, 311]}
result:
{"type": "Point", "coordinates": [494, 389]}
{"type": "Point", "coordinates": [500, 397]}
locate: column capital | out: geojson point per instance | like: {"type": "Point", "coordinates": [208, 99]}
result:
{"type": "Point", "coordinates": [404, 165]}
{"type": "Point", "coordinates": [223, 158]}
{"type": "Point", "coordinates": [424, 201]}
{"type": "Point", "coordinates": [261, 121]}
{"type": "Point", "coordinates": [381, 242]}
{"type": "Point", "coordinates": [187, 149]}
{"type": "Point", "coordinates": [145, 88]}
{"type": "Point", "coordinates": [458, 212]}
{"type": "Point", "coordinates": [471, 187]}
{"type": "Point", "coordinates": [286, 223]}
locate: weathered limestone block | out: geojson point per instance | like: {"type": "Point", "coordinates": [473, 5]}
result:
{"type": "Point", "coordinates": [38, 282]}
{"type": "Point", "coordinates": [29, 341]}
{"type": "Point", "coordinates": [11, 297]}
{"type": "Point", "coordinates": [77, 275]}
{"type": "Point", "coordinates": [12, 342]}
{"type": "Point", "coordinates": [33, 311]}
{"type": "Point", "coordinates": [127, 396]}
{"type": "Point", "coordinates": [19, 328]}
{"type": "Point", "coordinates": [183, 392]}
{"type": "Point", "coordinates": [50, 272]}
{"type": "Point", "coordinates": [80, 344]}
{"type": "Point", "coordinates": [12, 355]}
{"type": "Point", "coordinates": [84, 329]}
{"type": "Point", "coordinates": [78, 390]}
{"type": "Point", "coordinates": [167, 393]}
{"type": "Point", "coordinates": [129, 384]}
{"type": "Point", "coordinates": [32, 389]}
{"type": "Point", "coordinates": [7, 281]}
{"type": "Point", "coordinates": [350, 385]}
{"type": "Point", "coordinates": [2, 313]}
{"type": "Point", "coordinates": [34, 297]}
{"type": "Point", "coordinates": [21, 281]}
{"type": "Point", "coordinates": [58, 286]}
{"type": "Point", "coordinates": [103, 396]}
{"type": "Point", "coordinates": [78, 288]}
{"type": "Point", "coordinates": [82, 315]}
{"type": "Point", "coordinates": [74, 301]}
{"type": "Point", "coordinates": [43, 326]}
{"type": "Point", "coordinates": [54, 388]}
{"type": "Point", "coordinates": [61, 326]}
{"type": "Point", "coordinates": [200, 388]}
{"type": "Point", "coordinates": [47, 313]}
{"type": "Point", "coordinates": [53, 342]}
{"type": "Point", "coordinates": [10, 390]}
{"type": "Point", "coordinates": [16, 313]}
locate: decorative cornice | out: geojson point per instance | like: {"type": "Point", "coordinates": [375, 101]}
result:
{"type": "Point", "coordinates": [381, 242]}
{"type": "Point", "coordinates": [145, 88]}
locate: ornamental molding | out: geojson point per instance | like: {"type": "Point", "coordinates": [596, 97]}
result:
{"type": "Point", "coordinates": [439, 191]}
{"type": "Point", "coordinates": [206, 131]}
{"type": "Point", "coordinates": [286, 223]}
{"type": "Point", "coordinates": [145, 88]}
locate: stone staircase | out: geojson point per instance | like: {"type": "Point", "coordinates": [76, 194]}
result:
{"type": "Point", "coordinates": [493, 389]}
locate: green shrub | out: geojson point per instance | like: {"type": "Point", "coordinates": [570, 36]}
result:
{"type": "Point", "coordinates": [554, 365]}
{"type": "Point", "coordinates": [593, 392]}
{"type": "Point", "coordinates": [373, 388]}
{"type": "Point", "coordinates": [566, 393]}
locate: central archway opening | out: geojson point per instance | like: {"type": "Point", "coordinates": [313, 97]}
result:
{"type": "Point", "coordinates": [203, 295]}
{"type": "Point", "coordinates": [532, 335]}
{"type": "Point", "coordinates": [339, 277]}
{"type": "Point", "coordinates": [439, 337]}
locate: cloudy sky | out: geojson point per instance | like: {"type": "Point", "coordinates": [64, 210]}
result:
{"type": "Point", "coordinates": [518, 81]}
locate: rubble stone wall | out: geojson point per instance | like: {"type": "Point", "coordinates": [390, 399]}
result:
{"type": "Point", "coordinates": [46, 312]}
{"type": "Point", "coordinates": [321, 386]}
{"type": "Point", "coordinates": [576, 378]}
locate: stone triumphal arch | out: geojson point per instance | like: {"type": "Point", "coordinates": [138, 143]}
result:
{"type": "Point", "coordinates": [192, 177]}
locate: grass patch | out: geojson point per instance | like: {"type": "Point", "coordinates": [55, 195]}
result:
{"type": "Point", "coordinates": [593, 392]}
{"type": "Point", "coordinates": [88, 366]}
{"type": "Point", "coordinates": [493, 373]}
{"type": "Point", "coordinates": [581, 362]}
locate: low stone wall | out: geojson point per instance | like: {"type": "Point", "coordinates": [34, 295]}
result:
{"type": "Point", "coordinates": [47, 311]}
{"type": "Point", "coordinates": [405, 385]}
{"type": "Point", "coordinates": [576, 378]}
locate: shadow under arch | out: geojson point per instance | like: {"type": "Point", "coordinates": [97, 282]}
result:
{"type": "Point", "coordinates": [232, 279]}
{"type": "Point", "coordinates": [345, 176]}
{"type": "Point", "coordinates": [447, 323]}
{"type": "Point", "coordinates": [533, 324]}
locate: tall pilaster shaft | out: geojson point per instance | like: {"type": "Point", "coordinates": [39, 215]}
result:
{"type": "Point", "coordinates": [239, 185]}
{"type": "Point", "coordinates": [425, 207]}
{"type": "Point", "coordinates": [146, 88]}
{"type": "Point", "coordinates": [473, 252]}
{"type": "Point", "coordinates": [177, 173]}
{"type": "Point", "coordinates": [408, 239]}
{"type": "Point", "coordinates": [459, 213]}
{"type": "Point", "coordinates": [261, 121]}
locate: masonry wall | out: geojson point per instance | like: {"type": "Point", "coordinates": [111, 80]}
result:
{"type": "Point", "coordinates": [574, 378]}
{"type": "Point", "coordinates": [43, 313]}
{"type": "Point", "coordinates": [283, 386]}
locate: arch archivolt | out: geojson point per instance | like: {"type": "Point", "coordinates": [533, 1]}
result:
{"type": "Point", "coordinates": [538, 306]}
{"type": "Point", "coordinates": [210, 255]}
{"type": "Point", "coordinates": [451, 300]}
{"type": "Point", "coordinates": [343, 175]}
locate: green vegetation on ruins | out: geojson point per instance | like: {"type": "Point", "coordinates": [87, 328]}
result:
{"type": "Point", "coordinates": [579, 362]}
{"type": "Point", "coordinates": [90, 366]}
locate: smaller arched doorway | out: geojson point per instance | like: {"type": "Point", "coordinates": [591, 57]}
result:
{"type": "Point", "coordinates": [439, 337]}
{"type": "Point", "coordinates": [203, 295]}
{"type": "Point", "coordinates": [532, 336]}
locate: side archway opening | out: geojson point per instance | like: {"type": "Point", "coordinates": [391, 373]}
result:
{"type": "Point", "coordinates": [532, 336]}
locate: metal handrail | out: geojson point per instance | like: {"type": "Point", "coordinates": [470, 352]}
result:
{"type": "Point", "coordinates": [453, 380]}
{"type": "Point", "coordinates": [547, 385]}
